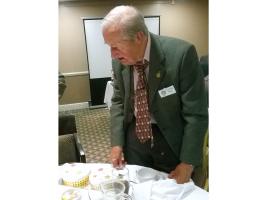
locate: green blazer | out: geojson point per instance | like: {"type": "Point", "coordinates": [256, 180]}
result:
{"type": "Point", "coordinates": [183, 116]}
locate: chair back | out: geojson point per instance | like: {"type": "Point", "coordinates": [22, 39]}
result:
{"type": "Point", "coordinates": [69, 146]}
{"type": "Point", "coordinates": [67, 151]}
{"type": "Point", "coordinates": [200, 175]}
{"type": "Point", "coordinates": [66, 124]}
{"type": "Point", "coordinates": [204, 64]}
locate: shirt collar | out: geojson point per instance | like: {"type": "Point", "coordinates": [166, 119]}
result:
{"type": "Point", "coordinates": [148, 45]}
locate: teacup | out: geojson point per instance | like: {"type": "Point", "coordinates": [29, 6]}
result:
{"type": "Point", "coordinates": [114, 190]}
{"type": "Point", "coordinates": [146, 174]}
{"type": "Point", "coordinates": [122, 174]}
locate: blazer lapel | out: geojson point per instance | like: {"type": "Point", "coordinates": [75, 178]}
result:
{"type": "Point", "coordinates": [126, 79]}
{"type": "Point", "coordinates": [156, 67]}
{"type": "Point", "coordinates": [128, 84]}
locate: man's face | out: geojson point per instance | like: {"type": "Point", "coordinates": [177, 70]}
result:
{"type": "Point", "coordinates": [126, 52]}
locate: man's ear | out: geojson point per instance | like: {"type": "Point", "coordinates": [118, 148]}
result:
{"type": "Point", "coordinates": [139, 36]}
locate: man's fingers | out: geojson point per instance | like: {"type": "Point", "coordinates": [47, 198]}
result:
{"type": "Point", "coordinates": [172, 174]}
{"type": "Point", "coordinates": [120, 164]}
{"type": "Point", "coordinates": [116, 163]}
{"type": "Point", "coordinates": [180, 179]}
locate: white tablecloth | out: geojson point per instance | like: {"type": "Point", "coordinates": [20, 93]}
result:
{"type": "Point", "coordinates": [195, 194]}
{"type": "Point", "coordinates": [108, 93]}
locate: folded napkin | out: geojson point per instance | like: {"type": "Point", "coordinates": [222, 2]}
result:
{"type": "Point", "coordinates": [162, 189]}
{"type": "Point", "coordinates": [142, 190]}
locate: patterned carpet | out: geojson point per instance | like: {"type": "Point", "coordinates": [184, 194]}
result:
{"type": "Point", "coordinates": [93, 127]}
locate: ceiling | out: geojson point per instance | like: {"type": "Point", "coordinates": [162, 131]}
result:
{"type": "Point", "coordinates": [117, 1]}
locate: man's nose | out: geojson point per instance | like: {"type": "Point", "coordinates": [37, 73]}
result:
{"type": "Point", "coordinates": [114, 53]}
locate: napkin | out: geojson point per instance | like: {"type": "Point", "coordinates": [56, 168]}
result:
{"type": "Point", "coordinates": [162, 189]}
{"type": "Point", "coordinates": [142, 190]}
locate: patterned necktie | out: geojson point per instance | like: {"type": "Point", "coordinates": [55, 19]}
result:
{"type": "Point", "coordinates": [143, 126]}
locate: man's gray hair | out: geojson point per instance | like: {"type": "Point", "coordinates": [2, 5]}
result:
{"type": "Point", "coordinates": [127, 19]}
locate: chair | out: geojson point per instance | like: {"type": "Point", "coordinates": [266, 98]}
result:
{"type": "Point", "coordinates": [66, 124]}
{"type": "Point", "coordinates": [204, 64]}
{"type": "Point", "coordinates": [69, 148]}
{"type": "Point", "coordinates": [61, 85]}
{"type": "Point", "coordinates": [201, 173]}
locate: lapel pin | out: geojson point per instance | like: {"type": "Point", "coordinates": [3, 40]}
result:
{"type": "Point", "coordinates": [158, 74]}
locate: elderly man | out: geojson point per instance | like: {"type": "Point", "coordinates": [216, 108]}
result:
{"type": "Point", "coordinates": [159, 110]}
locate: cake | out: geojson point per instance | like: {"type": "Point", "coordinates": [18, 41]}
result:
{"type": "Point", "coordinates": [75, 176]}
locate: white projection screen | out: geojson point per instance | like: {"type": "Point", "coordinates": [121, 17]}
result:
{"type": "Point", "coordinates": [99, 57]}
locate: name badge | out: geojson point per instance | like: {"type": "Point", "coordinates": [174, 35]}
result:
{"type": "Point", "coordinates": [167, 91]}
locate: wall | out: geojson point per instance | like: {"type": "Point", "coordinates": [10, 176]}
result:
{"type": "Point", "coordinates": [186, 19]}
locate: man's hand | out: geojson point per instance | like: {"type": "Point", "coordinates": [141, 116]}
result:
{"type": "Point", "coordinates": [182, 173]}
{"type": "Point", "coordinates": [116, 157]}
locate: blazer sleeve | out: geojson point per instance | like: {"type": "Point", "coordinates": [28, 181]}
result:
{"type": "Point", "coordinates": [117, 107]}
{"type": "Point", "coordinates": [194, 108]}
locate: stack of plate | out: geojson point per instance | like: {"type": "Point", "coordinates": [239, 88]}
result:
{"type": "Point", "coordinates": [98, 176]}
